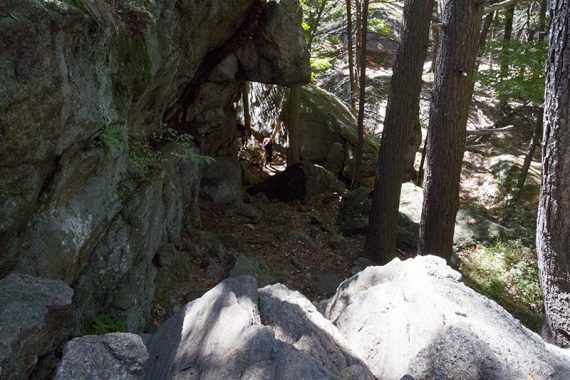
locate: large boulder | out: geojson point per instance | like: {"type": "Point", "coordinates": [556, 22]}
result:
{"type": "Point", "coordinates": [415, 317]}
{"type": "Point", "coordinates": [222, 336]}
{"type": "Point", "coordinates": [330, 134]}
{"type": "Point", "coordinates": [35, 317]}
{"type": "Point", "coordinates": [116, 356]}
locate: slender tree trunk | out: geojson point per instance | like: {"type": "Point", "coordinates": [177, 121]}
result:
{"type": "Point", "coordinates": [362, 97]}
{"type": "Point", "coordinates": [246, 113]}
{"type": "Point", "coordinates": [553, 225]}
{"type": "Point", "coordinates": [420, 178]}
{"type": "Point", "coordinates": [314, 27]}
{"type": "Point", "coordinates": [351, 75]}
{"type": "Point", "coordinates": [487, 22]}
{"type": "Point", "coordinates": [399, 123]}
{"type": "Point", "coordinates": [435, 47]}
{"type": "Point", "coordinates": [293, 126]}
{"type": "Point", "coordinates": [542, 21]}
{"type": "Point", "coordinates": [449, 108]}
{"type": "Point", "coordinates": [509, 14]}
{"type": "Point", "coordinates": [358, 8]}
{"type": "Point", "coordinates": [534, 142]}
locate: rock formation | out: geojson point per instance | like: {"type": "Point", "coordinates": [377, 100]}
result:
{"type": "Point", "coordinates": [409, 319]}
{"type": "Point", "coordinates": [35, 317]}
{"type": "Point", "coordinates": [103, 111]}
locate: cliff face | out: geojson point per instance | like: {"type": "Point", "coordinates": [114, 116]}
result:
{"type": "Point", "coordinates": [97, 106]}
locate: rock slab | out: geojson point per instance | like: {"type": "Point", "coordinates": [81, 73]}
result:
{"type": "Point", "coordinates": [416, 318]}
{"type": "Point", "coordinates": [118, 356]}
{"type": "Point", "coordinates": [35, 316]}
{"type": "Point", "coordinates": [222, 335]}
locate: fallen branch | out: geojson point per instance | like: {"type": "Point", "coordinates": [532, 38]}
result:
{"type": "Point", "coordinates": [490, 131]}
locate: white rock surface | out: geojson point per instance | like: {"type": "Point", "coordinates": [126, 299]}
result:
{"type": "Point", "coordinates": [417, 318]}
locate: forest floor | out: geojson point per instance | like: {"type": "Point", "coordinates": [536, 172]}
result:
{"type": "Point", "coordinates": [300, 245]}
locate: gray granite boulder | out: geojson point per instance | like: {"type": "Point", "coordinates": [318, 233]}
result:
{"type": "Point", "coordinates": [117, 356]}
{"type": "Point", "coordinates": [415, 317]}
{"type": "Point", "coordinates": [222, 335]}
{"type": "Point", "coordinates": [35, 317]}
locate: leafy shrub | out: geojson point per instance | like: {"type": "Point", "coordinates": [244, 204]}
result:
{"type": "Point", "coordinates": [524, 78]}
{"type": "Point", "coordinates": [506, 271]}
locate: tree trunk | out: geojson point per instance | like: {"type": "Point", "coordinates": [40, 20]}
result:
{"type": "Point", "coordinates": [542, 21]}
{"type": "Point", "coordinates": [361, 99]}
{"type": "Point", "coordinates": [293, 126]}
{"type": "Point", "coordinates": [399, 124]}
{"type": "Point", "coordinates": [534, 142]}
{"type": "Point", "coordinates": [435, 46]}
{"type": "Point", "coordinates": [487, 22]}
{"type": "Point", "coordinates": [351, 74]}
{"type": "Point", "coordinates": [504, 62]}
{"type": "Point", "coordinates": [449, 107]}
{"type": "Point", "coordinates": [553, 225]}
{"type": "Point", "coordinates": [246, 114]}
{"type": "Point", "coordinates": [358, 9]}
{"type": "Point", "coordinates": [314, 27]}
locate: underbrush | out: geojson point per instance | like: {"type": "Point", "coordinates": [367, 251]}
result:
{"type": "Point", "coordinates": [506, 271]}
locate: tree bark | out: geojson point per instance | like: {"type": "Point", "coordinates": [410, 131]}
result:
{"type": "Point", "coordinates": [542, 21]}
{"type": "Point", "coordinates": [553, 225]}
{"type": "Point", "coordinates": [362, 97]}
{"type": "Point", "coordinates": [534, 142]}
{"type": "Point", "coordinates": [246, 113]}
{"type": "Point", "coordinates": [351, 74]}
{"type": "Point", "coordinates": [487, 22]}
{"type": "Point", "coordinates": [449, 107]}
{"type": "Point", "coordinates": [401, 117]}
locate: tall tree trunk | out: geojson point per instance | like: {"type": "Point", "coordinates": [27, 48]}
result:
{"type": "Point", "coordinates": [358, 8]}
{"type": "Point", "coordinates": [507, 36]}
{"type": "Point", "coordinates": [361, 98]}
{"type": "Point", "coordinates": [293, 126]}
{"type": "Point", "coordinates": [553, 225]}
{"type": "Point", "coordinates": [245, 101]}
{"type": "Point", "coordinates": [534, 142]}
{"type": "Point", "coordinates": [435, 32]}
{"type": "Point", "coordinates": [542, 21]}
{"type": "Point", "coordinates": [351, 74]}
{"type": "Point", "coordinates": [449, 108]}
{"type": "Point", "coordinates": [487, 22]}
{"type": "Point", "coordinates": [399, 123]}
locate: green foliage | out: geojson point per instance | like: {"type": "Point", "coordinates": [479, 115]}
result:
{"type": "Point", "coordinates": [524, 78]}
{"type": "Point", "coordinates": [506, 271]}
{"type": "Point", "coordinates": [114, 136]}
{"type": "Point", "coordinates": [379, 26]}
{"type": "Point", "coordinates": [146, 157]}
{"type": "Point", "coordinates": [185, 141]}
{"type": "Point", "coordinates": [143, 156]}
{"type": "Point", "coordinates": [318, 66]}
{"type": "Point", "coordinates": [102, 324]}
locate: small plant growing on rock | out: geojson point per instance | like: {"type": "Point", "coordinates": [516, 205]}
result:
{"type": "Point", "coordinates": [114, 136]}
{"type": "Point", "coordinates": [102, 324]}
